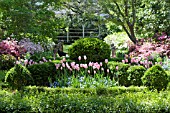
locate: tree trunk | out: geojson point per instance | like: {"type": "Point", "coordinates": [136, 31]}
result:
{"type": "Point", "coordinates": [133, 37]}
{"type": "Point", "coordinates": [130, 34]}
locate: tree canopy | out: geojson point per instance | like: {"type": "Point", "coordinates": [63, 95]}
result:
{"type": "Point", "coordinates": [35, 17]}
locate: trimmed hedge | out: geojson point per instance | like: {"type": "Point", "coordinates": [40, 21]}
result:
{"type": "Point", "coordinates": [155, 78]}
{"type": "Point", "coordinates": [120, 74]}
{"type": "Point", "coordinates": [80, 102]}
{"type": "Point", "coordinates": [91, 91]}
{"type": "Point", "coordinates": [42, 72]}
{"type": "Point", "coordinates": [95, 49]}
{"type": "Point", "coordinates": [18, 76]}
{"type": "Point", "coordinates": [135, 74]}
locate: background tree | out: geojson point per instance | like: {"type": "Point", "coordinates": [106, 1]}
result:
{"type": "Point", "coordinates": [82, 12]}
{"type": "Point", "coordinates": [33, 17]}
{"type": "Point", "coordinates": [122, 12]}
{"type": "Point", "coordinates": [138, 16]}
{"type": "Point", "coordinates": [153, 15]}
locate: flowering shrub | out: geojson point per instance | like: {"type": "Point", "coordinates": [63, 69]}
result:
{"type": "Point", "coordinates": [30, 46]}
{"type": "Point", "coordinates": [162, 37]}
{"type": "Point", "coordinates": [48, 44]}
{"type": "Point", "coordinates": [120, 40]}
{"type": "Point", "coordinates": [147, 53]}
{"type": "Point", "coordinates": [10, 46]}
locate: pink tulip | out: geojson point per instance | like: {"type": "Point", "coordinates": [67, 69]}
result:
{"type": "Point", "coordinates": [107, 70]}
{"type": "Point", "coordinates": [117, 67]}
{"type": "Point", "coordinates": [88, 71]}
{"type": "Point", "coordinates": [79, 58]}
{"type": "Point", "coordinates": [85, 57]}
{"type": "Point", "coordinates": [61, 68]}
{"type": "Point", "coordinates": [94, 72]}
{"type": "Point", "coordinates": [73, 64]}
{"type": "Point", "coordinates": [123, 61]}
{"type": "Point", "coordinates": [90, 63]}
{"type": "Point", "coordinates": [85, 66]}
{"type": "Point", "coordinates": [81, 65]}
{"type": "Point", "coordinates": [63, 65]}
{"type": "Point", "coordinates": [106, 61]}
{"type": "Point", "coordinates": [101, 63]}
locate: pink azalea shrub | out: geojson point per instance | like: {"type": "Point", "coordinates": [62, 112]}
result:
{"type": "Point", "coordinates": [10, 46]}
{"type": "Point", "coordinates": [147, 53]}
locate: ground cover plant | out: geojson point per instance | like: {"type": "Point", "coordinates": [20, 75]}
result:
{"type": "Point", "coordinates": [62, 100]}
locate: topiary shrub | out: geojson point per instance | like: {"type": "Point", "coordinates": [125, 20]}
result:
{"type": "Point", "coordinates": [155, 78]}
{"type": "Point", "coordinates": [135, 74]}
{"type": "Point", "coordinates": [95, 49]}
{"type": "Point", "coordinates": [7, 61]}
{"type": "Point", "coordinates": [18, 76]}
{"type": "Point", "coordinates": [119, 72]}
{"type": "Point", "coordinates": [42, 72]}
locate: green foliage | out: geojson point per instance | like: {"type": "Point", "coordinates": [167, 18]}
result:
{"type": "Point", "coordinates": [120, 40]}
{"type": "Point", "coordinates": [135, 74]}
{"type": "Point", "coordinates": [155, 78]}
{"type": "Point", "coordinates": [18, 76]}
{"type": "Point", "coordinates": [39, 56]}
{"type": "Point", "coordinates": [80, 102]}
{"type": "Point", "coordinates": [41, 73]}
{"type": "Point", "coordinates": [7, 61]}
{"type": "Point", "coordinates": [121, 53]}
{"type": "Point", "coordinates": [2, 74]}
{"type": "Point", "coordinates": [93, 48]}
{"type": "Point", "coordinates": [120, 74]}
{"type": "Point", "coordinates": [153, 15]}
{"type": "Point", "coordinates": [36, 18]}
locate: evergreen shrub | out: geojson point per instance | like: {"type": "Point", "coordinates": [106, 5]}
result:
{"type": "Point", "coordinates": [41, 73]}
{"type": "Point", "coordinates": [95, 50]}
{"type": "Point", "coordinates": [119, 72]}
{"type": "Point", "coordinates": [135, 74]}
{"type": "Point", "coordinates": [18, 76]}
{"type": "Point", "coordinates": [7, 61]}
{"type": "Point", "coordinates": [155, 78]}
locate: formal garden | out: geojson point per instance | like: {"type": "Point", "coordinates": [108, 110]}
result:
{"type": "Point", "coordinates": [124, 68]}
